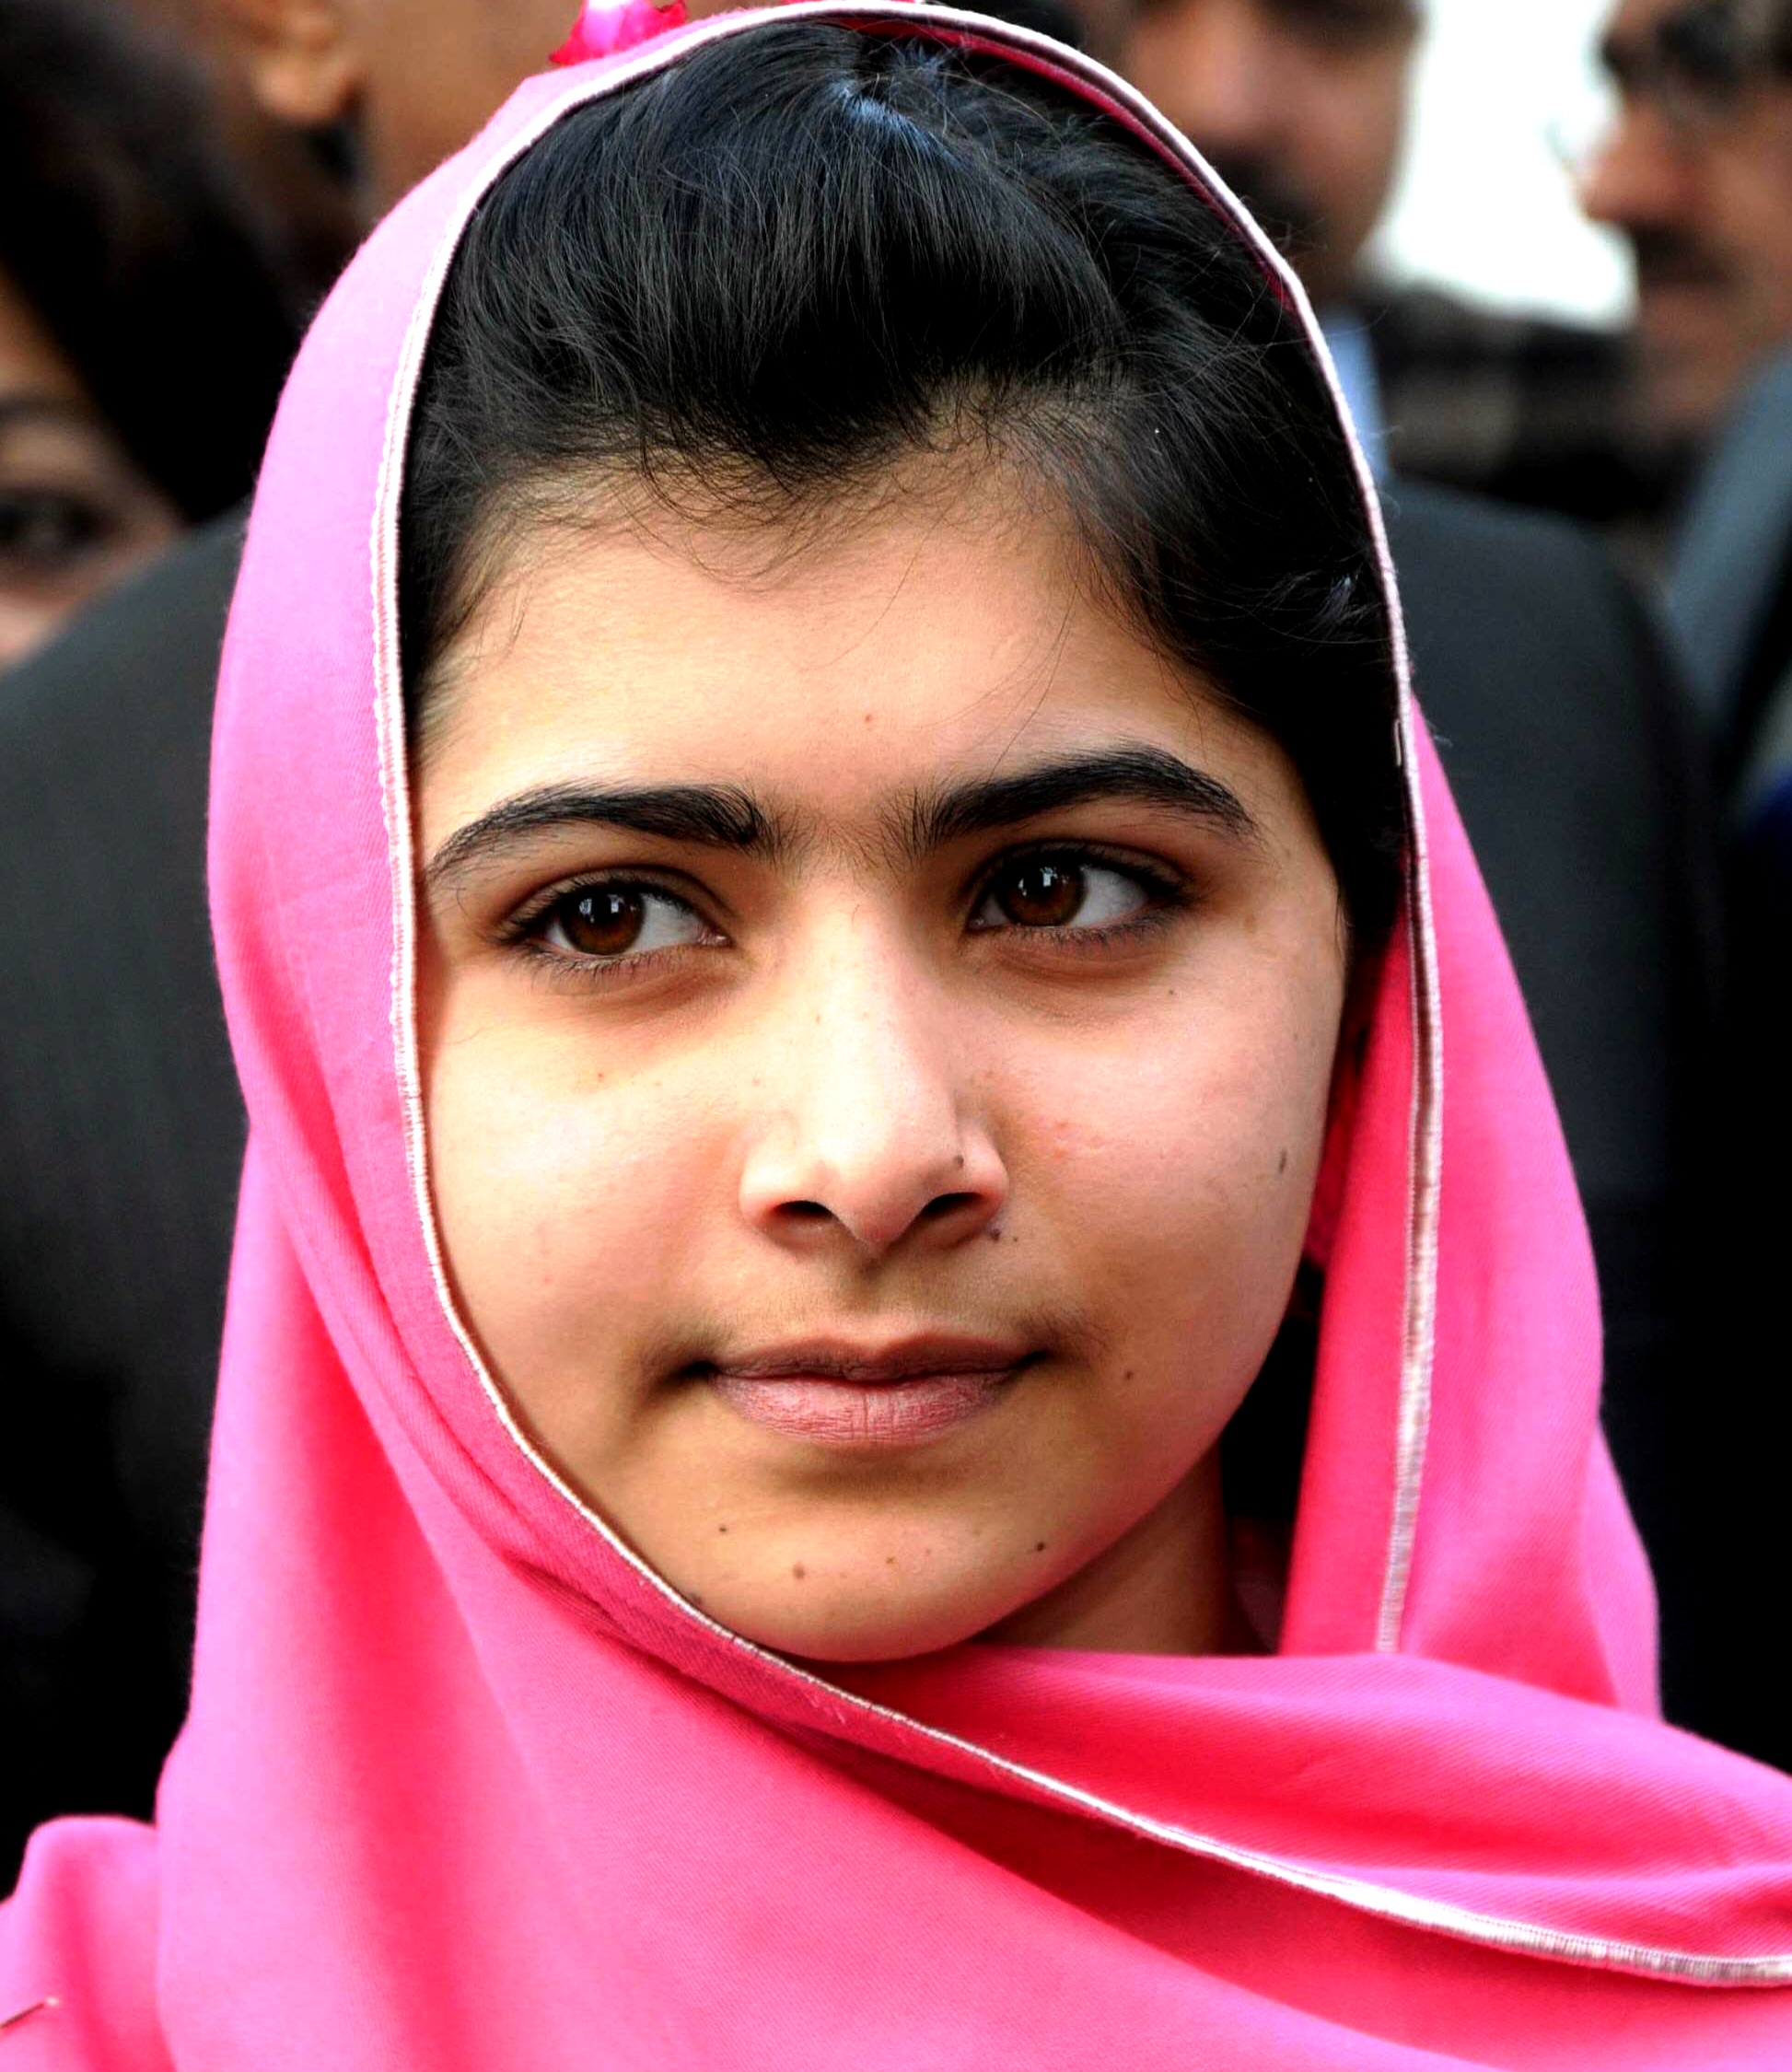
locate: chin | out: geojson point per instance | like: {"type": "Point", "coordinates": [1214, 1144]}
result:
{"type": "Point", "coordinates": [815, 1622]}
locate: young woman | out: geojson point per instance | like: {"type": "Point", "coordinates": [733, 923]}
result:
{"type": "Point", "coordinates": [912, 1376]}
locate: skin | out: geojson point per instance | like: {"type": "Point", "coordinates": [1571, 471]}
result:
{"type": "Point", "coordinates": [849, 1094]}
{"type": "Point", "coordinates": [414, 78]}
{"type": "Point", "coordinates": [1705, 214]}
{"type": "Point", "coordinates": [321, 220]}
{"type": "Point", "coordinates": [1301, 103]}
{"type": "Point", "coordinates": [76, 514]}
{"type": "Point", "coordinates": [1751, 191]}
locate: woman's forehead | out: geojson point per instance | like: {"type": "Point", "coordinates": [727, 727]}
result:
{"type": "Point", "coordinates": [853, 684]}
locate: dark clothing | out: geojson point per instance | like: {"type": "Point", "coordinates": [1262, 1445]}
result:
{"type": "Point", "coordinates": [119, 1128]}
{"type": "Point", "coordinates": [1527, 409]}
{"type": "Point", "coordinates": [1575, 761]}
{"type": "Point", "coordinates": [1731, 595]}
{"type": "Point", "coordinates": [1731, 586]}
{"type": "Point", "coordinates": [120, 1140]}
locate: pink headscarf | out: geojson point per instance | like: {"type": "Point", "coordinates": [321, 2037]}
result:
{"type": "Point", "coordinates": [467, 1789]}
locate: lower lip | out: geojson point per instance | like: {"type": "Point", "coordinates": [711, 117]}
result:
{"type": "Point", "coordinates": [862, 1413]}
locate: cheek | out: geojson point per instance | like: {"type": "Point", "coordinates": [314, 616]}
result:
{"type": "Point", "coordinates": [1751, 211]}
{"type": "Point", "coordinates": [568, 1210]}
{"type": "Point", "coordinates": [1176, 1177]}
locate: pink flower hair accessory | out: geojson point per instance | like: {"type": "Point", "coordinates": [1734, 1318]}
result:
{"type": "Point", "coordinates": [605, 27]}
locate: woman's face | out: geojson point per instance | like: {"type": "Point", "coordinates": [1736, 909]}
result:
{"type": "Point", "coordinates": [878, 1019]}
{"type": "Point", "coordinates": [76, 514]}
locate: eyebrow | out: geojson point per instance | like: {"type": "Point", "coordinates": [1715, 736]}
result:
{"type": "Point", "coordinates": [1132, 771]}
{"type": "Point", "coordinates": [709, 816]}
{"type": "Point", "coordinates": [727, 818]}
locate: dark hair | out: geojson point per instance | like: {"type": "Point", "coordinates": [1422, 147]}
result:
{"type": "Point", "coordinates": [124, 231]}
{"type": "Point", "coordinates": [770, 271]}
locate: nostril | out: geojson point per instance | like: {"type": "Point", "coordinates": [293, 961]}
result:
{"type": "Point", "coordinates": [942, 1204]}
{"type": "Point", "coordinates": [806, 1212]}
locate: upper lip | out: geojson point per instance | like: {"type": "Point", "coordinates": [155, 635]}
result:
{"type": "Point", "coordinates": [905, 1359]}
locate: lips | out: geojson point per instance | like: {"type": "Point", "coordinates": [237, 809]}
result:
{"type": "Point", "coordinates": [838, 1394]}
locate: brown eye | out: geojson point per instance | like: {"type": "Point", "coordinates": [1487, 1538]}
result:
{"type": "Point", "coordinates": [1071, 893]}
{"type": "Point", "coordinates": [1040, 894]}
{"type": "Point", "coordinates": [603, 920]}
{"type": "Point", "coordinates": [609, 922]}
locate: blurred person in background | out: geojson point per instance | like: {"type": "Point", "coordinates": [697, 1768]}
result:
{"type": "Point", "coordinates": [147, 322]}
{"type": "Point", "coordinates": [1567, 736]}
{"type": "Point", "coordinates": [1302, 105]}
{"type": "Point", "coordinates": [120, 1125]}
{"type": "Point", "coordinates": [144, 322]}
{"type": "Point", "coordinates": [1696, 176]}
{"type": "Point", "coordinates": [403, 85]}
{"type": "Point", "coordinates": [1751, 156]}
{"type": "Point", "coordinates": [1731, 594]}
{"type": "Point", "coordinates": [1730, 578]}
{"type": "Point", "coordinates": [299, 178]}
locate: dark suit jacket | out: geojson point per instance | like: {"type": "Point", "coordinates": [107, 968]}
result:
{"type": "Point", "coordinates": [1731, 594]}
{"type": "Point", "coordinates": [121, 1138]}
{"type": "Point", "coordinates": [1731, 583]}
{"type": "Point", "coordinates": [120, 1133]}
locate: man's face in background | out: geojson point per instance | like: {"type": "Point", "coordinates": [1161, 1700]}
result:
{"type": "Point", "coordinates": [1697, 175]}
{"type": "Point", "coordinates": [1300, 104]}
{"type": "Point", "coordinates": [1752, 176]}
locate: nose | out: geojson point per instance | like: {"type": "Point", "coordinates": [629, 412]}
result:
{"type": "Point", "coordinates": [868, 1134]}
{"type": "Point", "coordinates": [1643, 177]}
{"type": "Point", "coordinates": [1218, 68]}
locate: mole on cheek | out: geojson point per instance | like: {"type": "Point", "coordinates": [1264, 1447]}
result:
{"type": "Point", "coordinates": [798, 1571]}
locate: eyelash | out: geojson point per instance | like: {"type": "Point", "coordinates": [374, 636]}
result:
{"type": "Point", "coordinates": [1167, 894]}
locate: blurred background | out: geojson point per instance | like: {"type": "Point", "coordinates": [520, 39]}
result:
{"type": "Point", "coordinates": [1507, 92]}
